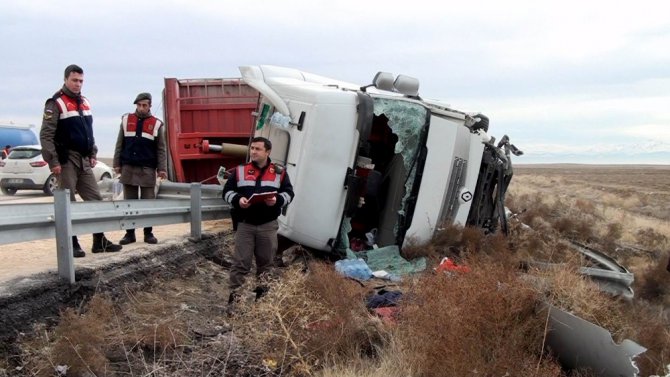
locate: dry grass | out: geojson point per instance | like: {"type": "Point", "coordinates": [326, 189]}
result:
{"type": "Point", "coordinates": [488, 322]}
{"type": "Point", "coordinates": [78, 342]}
{"type": "Point", "coordinates": [391, 361]}
{"type": "Point", "coordinates": [480, 323]}
{"type": "Point", "coordinates": [305, 320]}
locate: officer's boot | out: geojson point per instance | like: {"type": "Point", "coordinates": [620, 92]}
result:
{"type": "Point", "coordinates": [102, 245]}
{"type": "Point", "coordinates": [149, 236]}
{"type": "Point", "coordinates": [77, 251]}
{"type": "Point", "coordinates": [261, 291]}
{"type": "Point", "coordinates": [128, 238]}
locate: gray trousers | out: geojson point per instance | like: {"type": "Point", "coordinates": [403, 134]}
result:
{"type": "Point", "coordinates": [80, 180]}
{"type": "Point", "coordinates": [259, 241]}
{"type": "Point", "coordinates": [139, 192]}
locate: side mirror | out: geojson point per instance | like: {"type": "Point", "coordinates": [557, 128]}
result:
{"type": "Point", "coordinates": [383, 81]}
{"type": "Point", "coordinates": [406, 85]}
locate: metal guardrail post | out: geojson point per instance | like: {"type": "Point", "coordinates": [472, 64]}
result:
{"type": "Point", "coordinates": [196, 211]}
{"type": "Point", "coordinates": [177, 203]}
{"type": "Point", "coordinates": [63, 225]}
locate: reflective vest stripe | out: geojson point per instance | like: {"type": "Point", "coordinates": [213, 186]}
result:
{"type": "Point", "coordinates": [72, 111]}
{"type": "Point", "coordinates": [287, 198]}
{"type": "Point", "coordinates": [131, 132]}
{"type": "Point", "coordinates": [243, 182]}
{"type": "Point", "coordinates": [230, 196]}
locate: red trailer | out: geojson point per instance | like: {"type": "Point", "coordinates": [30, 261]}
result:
{"type": "Point", "coordinates": [202, 111]}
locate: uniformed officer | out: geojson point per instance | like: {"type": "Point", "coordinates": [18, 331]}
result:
{"type": "Point", "coordinates": [256, 234]}
{"type": "Point", "coordinates": [68, 146]}
{"type": "Point", "coordinates": [140, 151]}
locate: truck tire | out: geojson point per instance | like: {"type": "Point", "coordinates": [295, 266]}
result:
{"type": "Point", "coordinates": [8, 190]}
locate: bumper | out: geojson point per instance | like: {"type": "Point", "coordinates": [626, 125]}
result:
{"type": "Point", "coordinates": [20, 183]}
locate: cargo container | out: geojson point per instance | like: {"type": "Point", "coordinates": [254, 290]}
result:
{"type": "Point", "coordinates": [198, 112]}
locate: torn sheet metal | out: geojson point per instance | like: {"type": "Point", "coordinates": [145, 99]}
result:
{"type": "Point", "coordinates": [612, 282]}
{"type": "Point", "coordinates": [598, 257]}
{"type": "Point", "coordinates": [610, 275]}
{"type": "Point", "coordinates": [579, 343]}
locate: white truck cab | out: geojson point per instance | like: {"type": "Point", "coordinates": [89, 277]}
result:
{"type": "Point", "coordinates": [376, 161]}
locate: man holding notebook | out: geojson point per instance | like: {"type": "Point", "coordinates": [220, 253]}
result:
{"type": "Point", "coordinates": [257, 190]}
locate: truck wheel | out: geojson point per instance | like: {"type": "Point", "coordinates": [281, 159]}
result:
{"type": "Point", "coordinates": [8, 190]}
{"type": "Point", "coordinates": [50, 185]}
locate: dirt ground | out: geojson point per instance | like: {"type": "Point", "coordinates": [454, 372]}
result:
{"type": "Point", "coordinates": [22, 260]}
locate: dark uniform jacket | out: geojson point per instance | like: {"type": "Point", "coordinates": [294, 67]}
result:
{"type": "Point", "coordinates": [249, 179]}
{"type": "Point", "coordinates": [140, 149]}
{"type": "Point", "coordinates": [67, 129]}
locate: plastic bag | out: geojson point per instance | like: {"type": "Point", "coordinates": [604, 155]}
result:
{"type": "Point", "coordinates": [280, 120]}
{"type": "Point", "coordinates": [117, 189]}
{"type": "Point", "coordinates": [354, 268]}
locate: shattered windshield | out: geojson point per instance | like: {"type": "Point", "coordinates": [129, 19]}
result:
{"type": "Point", "coordinates": [407, 121]}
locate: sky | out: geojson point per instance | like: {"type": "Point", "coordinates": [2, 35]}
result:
{"type": "Point", "coordinates": [567, 81]}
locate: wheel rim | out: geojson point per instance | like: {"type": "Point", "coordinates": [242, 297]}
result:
{"type": "Point", "coordinates": [52, 183]}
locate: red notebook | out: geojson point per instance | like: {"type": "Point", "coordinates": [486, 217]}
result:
{"type": "Point", "coordinates": [259, 198]}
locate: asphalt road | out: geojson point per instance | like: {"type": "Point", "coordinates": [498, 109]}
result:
{"type": "Point", "coordinates": [26, 196]}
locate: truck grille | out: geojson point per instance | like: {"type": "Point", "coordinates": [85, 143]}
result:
{"type": "Point", "coordinates": [450, 202]}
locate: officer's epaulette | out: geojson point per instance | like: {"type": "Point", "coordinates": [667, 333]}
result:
{"type": "Point", "coordinates": [278, 168]}
{"type": "Point", "coordinates": [57, 94]}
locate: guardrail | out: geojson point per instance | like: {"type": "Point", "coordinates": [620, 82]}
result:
{"type": "Point", "coordinates": [175, 203]}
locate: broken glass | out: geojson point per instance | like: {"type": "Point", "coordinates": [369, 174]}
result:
{"type": "Point", "coordinates": [407, 120]}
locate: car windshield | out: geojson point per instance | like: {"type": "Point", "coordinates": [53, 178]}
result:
{"type": "Point", "coordinates": [20, 154]}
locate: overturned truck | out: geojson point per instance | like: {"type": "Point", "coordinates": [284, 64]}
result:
{"type": "Point", "coordinates": [377, 166]}
{"type": "Point", "coordinates": [377, 163]}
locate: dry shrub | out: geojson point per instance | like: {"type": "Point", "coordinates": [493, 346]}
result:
{"type": "Point", "coordinates": [575, 226]}
{"type": "Point", "coordinates": [412, 249]}
{"type": "Point", "coordinates": [532, 245]}
{"type": "Point", "coordinates": [446, 239]}
{"type": "Point", "coordinates": [345, 298]}
{"type": "Point", "coordinates": [613, 233]}
{"type": "Point", "coordinates": [479, 323]}
{"type": "Point", "coordinates": [532, 207]}
{"type": "Point", "coordinates": [455, 240]}
{"type": "Point", "coordinates": [585, 207]}
{"type": "Point", "coordinates": [155, 324]}
{"type": "Point", "coordinates": [459, 240]}
{"type": "Point", "coordinates": [651, 239]}
{"type": "Point", "coordinates": [652, 330]}
{"type": "Point", "coordinates": [78, 342]}
{"type": "Point", "coordinates": [576, 221]}
{"type": "Point", "coordinates": [305, 320]}
{"type": "Point", "coordinates": [653, 284]}
{"type": "Point", "coordinates": [390, 361]}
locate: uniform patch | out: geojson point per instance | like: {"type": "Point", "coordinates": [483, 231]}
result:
{"type": "Point", "coordinates": [48, 114]}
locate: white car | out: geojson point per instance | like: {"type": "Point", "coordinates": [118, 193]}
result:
{"type": "Point", "coordinates": [25, 169]}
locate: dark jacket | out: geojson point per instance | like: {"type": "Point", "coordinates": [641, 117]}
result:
{"type": "Point", "coordinates": [249, 179]}
{"type": "Point", "coordinates": [67, 128]}
{"type": "Point", "coordinates": [140, 140]}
